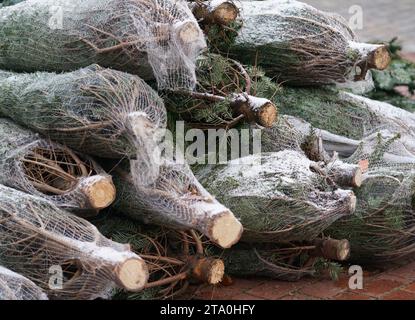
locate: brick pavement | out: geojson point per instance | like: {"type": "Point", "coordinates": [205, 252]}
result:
{"type": "Point", "coordinates": [395, 283]}
{"type": "Point", "coordinates": [382, 19]}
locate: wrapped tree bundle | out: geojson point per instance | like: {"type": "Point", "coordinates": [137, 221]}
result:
{"type": "Point", "coordinates": [14, 286]}
{"type": "Point", "coordinates": [176, 200]}
{"type": "Point", "coordinates": [63, 254]}
{"type": "Point", "coordinates": [278, 196]}
{"type": "Point", "coordinates": [348, 115]}
{"type": "Point", "coordinates": [52, 171]}
{"type": "Point", "coordinates": [295, 134]}
{"type": "Point", "coordinates": [382, 230]}
{"type": "Point", "coordinates": [153, 39]}
{"type": "Point", "coordinates": [109, 113]}
{"type": "Point", "coordinates": [223, 97]}
{"type": "Point", "coordinates": [175, 258]}
{"type": "Point", "coordinates": [301, 45]}
{"type": "Point", "coordinates": [382, 148]}
{"type": "Point", "coordinates": [97, 111]}
{"type": "Point", "coordinates": [289, 261]}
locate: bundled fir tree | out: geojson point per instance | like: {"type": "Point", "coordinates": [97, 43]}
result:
{"type": "Point", "coordinates": [40, 167]}
{"type": "Point", "coordinates": [175, 258]}
{"type": "Point", "coordinates": [153, 39]}
{"type": "Point", "coordinates": [37, 239]}
{"type": "Point", "coordinates": [278, 196]}
{"type": "Point", "coordinates": [224, 97]}
{"type": "Point", "coordinates": [300, 45]}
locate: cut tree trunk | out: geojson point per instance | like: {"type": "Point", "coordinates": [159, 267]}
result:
{"type": "Point", "coordinates": [14, 286]}
{"type": "Point", "coordinates": [177, 200]}
{"type": "Point", "coordinates": [39, 239]}
{"type": "Point", "coordinates": [97, 111]}
{"type": "Point", "coordinates": [277, 196]}
{"type": "Point", "coordinates": [301, 45]}
{"type": "Point", "coordinates": [332, 249]}
{"type": "Point", "coordinates": [222, 98]}
{"type": "Point", "coordinates": [175, 258]}
{"type": "Point", "coordinates": [54, 172]}
{"type": "Point", "coordinates": [222, 12]}
{"type": "Point", "coordinates": [149, 38]}
{"type": "Point", "coordinates": [383, 228]}
{"type": "Point", "coordinates": [208, 270]}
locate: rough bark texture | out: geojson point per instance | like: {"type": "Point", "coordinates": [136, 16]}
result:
{"type": "Point", "coordinates": [177, 200]}
{"type": "Point", "coordinates": [301, 45]}
{"type": "Point", "coordinates": [154, 39]}
{"type": "Point", "coordinates": [36, 235]}
{"type": "Point", "coordinates": [40, 167]}
{"type": "Point", "coordinates": [93, 110]}
{"type": "Point", "coordinates": [277, 196]}
{"type": "Point", "coordinates": [13, 286]}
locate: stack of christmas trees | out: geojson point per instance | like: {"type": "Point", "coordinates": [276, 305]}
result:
{"type": "Point", "coordinates": [112, 116]}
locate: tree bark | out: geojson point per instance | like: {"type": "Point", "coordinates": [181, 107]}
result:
{"type": "Point", "coordinates": [222, 98]}
{"type": "Point", "coordinates": [175, 258]}
{"type": "Point", "coordinates": [39, 239]}
{"type": "Point", "coordinates": [332, 249]}
{"type": "Point", "coordinates": [52, 171]}
{"type": "Point", "coordinates": [152, 39]}
{"type": "Point", "coordinates": [177, 200]}
{"type": "Point", "coordinates": [13, 286]}
{"type": "Point", "coordinates": [277, 196]}
{"type": "Point", "coordinates": [301, 45]}
{"type": "Point", "coordinates": [93, 110]}
{"type": "Point", "coordinates": [221, 12]}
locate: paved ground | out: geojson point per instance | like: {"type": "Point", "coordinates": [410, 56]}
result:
{"type": "Point", "coordinates": [397, 283]}
{"type": "Point", "coordinates": [382, 19]}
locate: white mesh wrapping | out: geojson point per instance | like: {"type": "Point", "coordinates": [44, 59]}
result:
{"type": "Point", "coordinates": [153, 38]}
{"type": "Point", "coordinates": [35, 235]}
{"type": "Point", "coordinates": [13, 286]}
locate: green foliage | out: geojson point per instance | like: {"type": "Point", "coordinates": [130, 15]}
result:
{"type": "Point", "coordinates": [401, 72]}
{"type": "Point", "coordinates": [216, 75]}
{"type": "Point", "coordinates": [220, 37]}
{"type": "Point", "coordinates": [334, 269]}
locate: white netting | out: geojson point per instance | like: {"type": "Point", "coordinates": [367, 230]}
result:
{"type": "Point", "coordinates": [278, 196]}
{"type": "Point", "coordinates": [37, 239]}
{"type": "Point", "coordinates": [98, 111]}
{"type": "Point", "coordinates": [152, 38]}
{"type": "Point", "coordinates": [299, 44]}
{"type": "Point", "coordinates": [40, 167]}
{"type": "Point", "coordinates": [13, 286]}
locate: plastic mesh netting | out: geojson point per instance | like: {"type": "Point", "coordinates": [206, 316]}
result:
{"type": "Point", "coordinates": [37, 239]}
{"type": "Point", "coordinates": [152, 38]}
{"type": "Point", "coordinates": [40, 167]}
{"type": "Point", "coordinates": [13, 286]}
